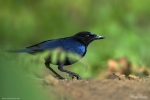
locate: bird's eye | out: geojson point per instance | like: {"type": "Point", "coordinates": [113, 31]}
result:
{"type": "Point", "coordinates": [87, 35]}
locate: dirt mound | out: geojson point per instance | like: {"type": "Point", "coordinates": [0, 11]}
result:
{"type": "Point", "coordinates": [98, 89]}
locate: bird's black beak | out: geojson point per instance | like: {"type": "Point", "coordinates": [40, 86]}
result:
{"type": "Point", "coordinates": [99, 37]}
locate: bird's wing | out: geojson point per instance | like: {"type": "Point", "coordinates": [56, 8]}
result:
{"type": "Point", "coordinates": [46, 45]}
{"type": "Point", "coordinates": [71, 45]}
{"type": "Point", "coordinates": [66, 44]}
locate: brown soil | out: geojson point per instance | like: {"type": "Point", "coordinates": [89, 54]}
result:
{"type": "Point", "coordinates": [98, 89]}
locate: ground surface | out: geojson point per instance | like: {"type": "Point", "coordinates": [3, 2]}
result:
{"type": "Point", "coordinates": [98, 89]}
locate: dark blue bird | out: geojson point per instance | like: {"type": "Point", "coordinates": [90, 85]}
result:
{"type": "Point", "coordinates": [76, 44]}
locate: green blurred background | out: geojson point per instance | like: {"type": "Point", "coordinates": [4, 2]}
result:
{"type": "Point", "coordinates": [124, 23]}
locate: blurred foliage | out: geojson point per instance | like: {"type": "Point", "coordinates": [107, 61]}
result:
{"type": "Point", "coordinates": [15, 84]}
{"type": "Point", "coordinates": [124, 23]}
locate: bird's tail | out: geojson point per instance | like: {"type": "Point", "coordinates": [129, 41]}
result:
{"type": "Point", "coordinates": [20, 50]}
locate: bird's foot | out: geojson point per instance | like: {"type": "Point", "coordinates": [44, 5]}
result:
{"type": "Point", "coordinates": [73, 75]}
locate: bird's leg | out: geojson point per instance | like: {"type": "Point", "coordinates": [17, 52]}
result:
{"type": "Point", "coordinates": [72, 74]}
{"type": "Point", "coordinates": [47, 64]}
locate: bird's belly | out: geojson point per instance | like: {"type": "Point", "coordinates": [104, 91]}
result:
{"type": "Point", "coordinates": [65, 61]}
{"type": "Point", "coordinates": [67, 57]}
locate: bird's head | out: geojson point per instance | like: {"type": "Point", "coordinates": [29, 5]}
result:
{"type": "Point", "coordinates": [86, 37]}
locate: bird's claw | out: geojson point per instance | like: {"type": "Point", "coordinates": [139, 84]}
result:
{"type": "Point", "coordinates": [75, 75]}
